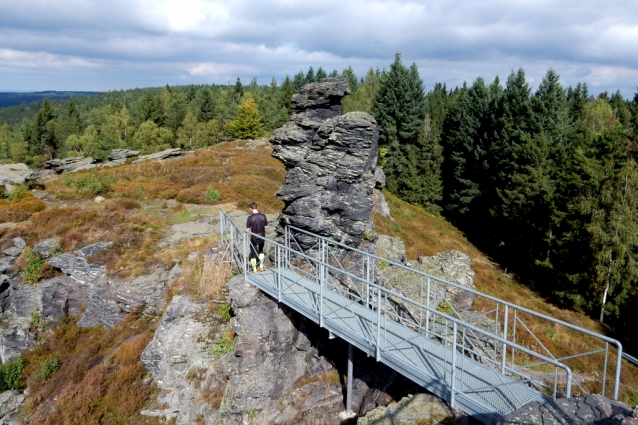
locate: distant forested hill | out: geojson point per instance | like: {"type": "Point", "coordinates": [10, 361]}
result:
{"type": "Point", "coordinates": [11, 99]}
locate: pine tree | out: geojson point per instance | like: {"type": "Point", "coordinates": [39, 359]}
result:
{"type": "Point", "coordinates": [175, 111]}
{"type": "Point", "coordinates": [238, 91]}
{"type": "Point", "coordinates": [148, 108]}
{"type": "Point", "coordinates": [298, 81]}
{"type": "Point", "coordinates": [206, 110]}
{"type": "Point", "coordinates": [466, 136]}
{"type": "Point", "coordinates": [399, 109]}
{"type": "Point", "coordinates": [310, 76]}
{"type": "Point", "coordinates": [351, 78]}
{"type": "Point", "coordinates": [285, 93]}
{"type": "Point", "coordinates": [247, 124]}
{"type": "Point", "coordinates": [70, 123]}
{"type": "Point", "coordinates": [320, 74]}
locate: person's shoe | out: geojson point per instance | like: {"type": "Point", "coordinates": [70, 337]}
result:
{"type": "Point", "coordinates": [261, 269]}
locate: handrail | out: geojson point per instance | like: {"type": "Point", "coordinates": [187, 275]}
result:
{"type": "Point", "coordinates": [323, 266]}
{"type": "Point", "coordinates": [568, 325]}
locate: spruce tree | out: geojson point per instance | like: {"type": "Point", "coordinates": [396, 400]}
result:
{"type": "Point", "coordinates": [298, 81]}
{"type": "Point", "coordinates": [399, 109]}
{"type": "Point", "coordinates": [320, 74]}
{"type": "Point", "coordinates": [206, 110]}
{"type": "Point", "coordinates": [351, 78]}
{"type": "Point", "coordinates": [310, 76]}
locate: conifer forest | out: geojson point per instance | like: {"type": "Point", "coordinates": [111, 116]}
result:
{"type": "Point", "coordinates": [545, 181]}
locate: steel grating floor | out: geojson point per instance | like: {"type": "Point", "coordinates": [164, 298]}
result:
{"type": "Point", "coordinates": [481, 391]}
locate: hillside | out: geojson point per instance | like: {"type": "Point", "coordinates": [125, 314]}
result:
{"type": "Point", "coordinates": [95, 370]}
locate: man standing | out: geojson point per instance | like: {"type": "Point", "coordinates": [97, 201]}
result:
{"type": "Point", "coordinates": [257, 224]}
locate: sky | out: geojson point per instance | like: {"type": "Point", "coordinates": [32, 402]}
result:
{"type": "Point", "coordinates": [98, 45]}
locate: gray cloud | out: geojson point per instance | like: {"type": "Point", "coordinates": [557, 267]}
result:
{"type": "Point", "coordinates": [99, 45]}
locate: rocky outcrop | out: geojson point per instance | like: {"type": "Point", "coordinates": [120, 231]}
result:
{"type": "Point", "coordinates": [159, 155]}
{"type": "Point", "coordinates": [587, 410]}
{"type": "Point", "coordinates": [119, 154]}
{"type": "Point", "coordinates": [452, 266]}
{"type": "Point", "coordinates": [71, 164]}
{"type": "Point", "coordinates": [14, 174]}
{"type": "Point", "coordinates": [47, 247]}
{"type": "Point", "coordinates": [331, 162]}
{"type": "Point", "coordinates": [10, 402]}
{"type": "Point", "coordinates": [182, 363]}
{"type": "Point", "coordinates": [416, 409]}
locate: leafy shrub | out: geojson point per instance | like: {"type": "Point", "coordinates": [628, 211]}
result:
{"type": "Point", "coordinates": [21, 209]}
{"type": "Point", "coordinates": [33, 270]}
{"type": "Point", "coordinates": [445, 308]}
{"type": "Point", "coordinates": [225, 311]}
{"type": "Point", "coordinates": [48, 367]}
{"type": "Point", "coordinates": [212, 194]}
{"type": "Point", "coordinates": [36, 321]}
{"type": "Point", "coordinates": [11, 377]}
{"type": "Point", "coordinates": [222, 346]}
{"type": "Point", "coordinates": [91, 183]}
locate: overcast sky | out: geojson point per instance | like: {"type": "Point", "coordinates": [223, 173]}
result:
{"type": "Point", "coordinates": [101, 45]}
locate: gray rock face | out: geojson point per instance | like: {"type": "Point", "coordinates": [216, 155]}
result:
{"type": "Point", "coordinates": [71, 164]}
{"type": "Point", "coordinates": [118, 154]}
{"type": "Point", "coordinates": [452, 266]}
{"type": "Point", "coordinates": [179, 232]}
{"type": "Point", "coordinates": [331, 162]}
{"type": "Point", "coordinates": [13, 174]}
{"type": "Point", "coordinates": [159, 155]}
{"type": "Point", "coordinates": [274, 369]}
{"type": "Point", "coordinates": [10, 402]}
{"type": "Point", "coordinates": [181, 345]}
{"type": "Point", "coordinates": [47, 247]}
{"type": "Point", "coordinates": [587, 410]}
{"type": "Point", "coordinates": [113, 163]}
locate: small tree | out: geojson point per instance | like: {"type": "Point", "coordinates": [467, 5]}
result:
{"type": "Point", "coordinates": [247, 124]}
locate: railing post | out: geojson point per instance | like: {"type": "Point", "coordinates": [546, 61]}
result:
{"type": "Point", "coordinates": [245, 253]}
{"type": "Point", "coordinates": [455, 327]}
{"type": "Point", "coordinates": [605, 367]}
{"type": "Point", "coordinates": [278, 254]}
{"type": "Point", "coordinates": [618, 368]}
{"type": "Point", "coordinates": [349, 383]}
{"type": "Point", "coordinates": [427, 312]}
{"type": "Point", "coordinates": [504, 351]}
{"type": "Point", "coordinates": [322, 271]}
{"type": "Point", "coordinates": [378, 354]}
{"type": "Point", "coordinates": [514, 335]}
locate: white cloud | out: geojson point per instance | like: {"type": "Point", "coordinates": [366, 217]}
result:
{"type": "Point", "coordinates": [181, 41]}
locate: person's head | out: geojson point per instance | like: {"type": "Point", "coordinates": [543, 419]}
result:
{"type": "Point", "coordinates": [254, 207]}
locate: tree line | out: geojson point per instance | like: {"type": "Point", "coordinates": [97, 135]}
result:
{"type": "Point", "coordinates": [148, 120]}
{"type": "Point", "coordinates": [545, 181]}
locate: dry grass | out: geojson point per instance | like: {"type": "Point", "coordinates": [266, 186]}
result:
{"type": "Point", "coordinates": [20, 207]}
{"type": "Point", "coordinates": [425, 234]}
{"type": "Point", "coordinates": [254, 176]}
{"type": "Point", "coordinates": [100, 380]}
{"type": "Point", "coordinates": [206, 275]}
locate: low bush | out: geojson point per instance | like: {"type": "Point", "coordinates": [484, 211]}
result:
{"type": "Point", "coordinates": [11, 376]}
{"type": "Point", "coordinates": [120, 204]}
{"type": "Point", "coordinates": [48, 367]}
{"type": "Point", "coordinates": [33, 269]}
{"type": "Point", "coordinates": [212, 195]}
{"type": "Point", "coordinates": [92, 184]}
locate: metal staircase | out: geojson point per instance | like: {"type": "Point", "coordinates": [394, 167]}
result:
{"type": "Point", "coordinates": [486, 360]}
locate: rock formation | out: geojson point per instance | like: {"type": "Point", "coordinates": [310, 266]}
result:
{"type": "Point", "coordinates": [452, 266]}
{"type": "Point", "coordinates": [331, 161]}
{"type": "Point", "coordinates": [14, 174]}
{"type": "Point", "coordinates": [587, 410]}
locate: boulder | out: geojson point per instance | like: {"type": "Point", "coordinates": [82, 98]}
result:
{"type": "Point", "coordinates": [159, 155]}
{"type": "Point", "coordinates": [331, 162]}
{"type": "Point", "coordinates": [10, 402]}
{"type": "Point", "coordinates": [415, 409]}
{"type": "Point", "coordinates": [71, 164]}
{"type": "Point", "coordinates": [13, 174]}
{"type": "Point", "coordinates": [122, 154]}
{"type": "Point", "coordinates": [47, 247]}
{"type": "Point", "coordinates": [583, 410]}
{"type": "Point", "coordinates": [112, 163]}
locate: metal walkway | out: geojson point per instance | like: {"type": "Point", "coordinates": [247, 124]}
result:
{"type": "Point", "coordinates": [461, 356]}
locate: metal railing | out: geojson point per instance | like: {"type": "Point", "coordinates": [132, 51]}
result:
{"type": "Point", "coordinates": [500, 337]}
